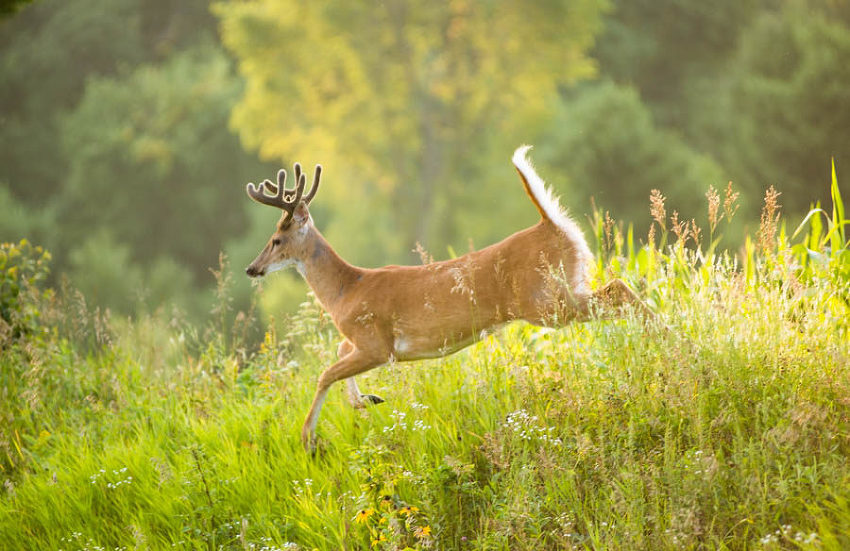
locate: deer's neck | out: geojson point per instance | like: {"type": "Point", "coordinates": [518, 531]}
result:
{"type": "Point", "coordinates": [327, 274]}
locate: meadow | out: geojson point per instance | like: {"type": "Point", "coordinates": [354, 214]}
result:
{"type": "Point", "coordinates": [726, 426]}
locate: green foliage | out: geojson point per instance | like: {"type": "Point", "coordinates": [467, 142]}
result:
{"type": "Point", "coordinates": [150, 161]}
{"type": "Point", "coordinates": [796, 118]}
{"type": "Point", "coordinates": [385, 96]}
{"type": "Point", "coordinates": [9, 7]}
{"type": "Point", "coordinates": [23, 269]}
{"type": "Point", "coordinates": [414, 110]}
{"type": "Point", "coordinates": [106, 275]}
{"type": "Point", "coordinates": [115, 130]}
{"type": "Point", "coordinates": [826, 253]}
{"type": "Point", "coordinates": [19, 219]}
{"type": "Point", "coordinates": [49, 50]}
{"type": "Point", "coordinates": [757, 85]}
{"type": "Point", "coordinates": [604, 143]}
{"type": "Point", "coordinates": [661, 46]}
{"type": "Point", "coordinates": [726, 429]}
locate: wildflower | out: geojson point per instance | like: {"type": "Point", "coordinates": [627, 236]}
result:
{"type": "Point", "coordinates": [363, 516]}
{"type": "Point", "coordinates": [422, 532]}
{"type": "Point", "coordinates": [407, 511]}
{"type": "Point", "coordinates": [420, 425]}
{"type": "Point", "coordinates": [379, 539]}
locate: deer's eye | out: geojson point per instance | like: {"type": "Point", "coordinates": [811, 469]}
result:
{"type": "Point", "coordinates": [275, 242]}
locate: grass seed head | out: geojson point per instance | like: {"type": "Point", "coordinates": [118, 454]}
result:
{"type": "Point", "coordinates": [713, 208]}
{"type": "Point", "coordinates": [769, 220]}
{"type": "Point", "coordinates": [656, 208]}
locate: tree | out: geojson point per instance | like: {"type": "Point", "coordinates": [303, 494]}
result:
{"type": "Point", "coordinates": [409, 103]}
{"type": "Point", "coordinates": [152, 162]}
{"type": "Point", "coordinates": [49, 49]}
{"type": "Point", "coordinates": [9, 7]}
{"type": "Point", "coordinates": [662, 46]}
{"type": "Point", "coordinates": [604, 142]}
{"type": "Point", "coordinates": [796, 104]}
{"type": "Point", "coordinates": [114, 129]}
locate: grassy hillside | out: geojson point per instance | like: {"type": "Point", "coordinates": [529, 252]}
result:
{"type": "Point", "coordinates": [732, 430]}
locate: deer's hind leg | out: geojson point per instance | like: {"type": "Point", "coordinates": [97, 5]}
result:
{"type": "Point", "coordinates": [612, 301]}
{"type": "Point", "coordinates": [357, 399]}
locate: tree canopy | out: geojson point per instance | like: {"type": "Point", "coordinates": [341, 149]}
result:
{"type": "Point", "coordinates": [413, 101]}
{"type": "Point", "coordinates": [129, 128]}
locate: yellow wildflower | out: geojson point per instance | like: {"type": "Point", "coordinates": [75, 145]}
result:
{"type": "Point", "coordinates": [363, 516]}
{"type": "Point", "coordinates": [422, 532]}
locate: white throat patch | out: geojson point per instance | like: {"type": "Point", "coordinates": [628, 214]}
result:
{"type": "Point", "coordinates": [282, 265]}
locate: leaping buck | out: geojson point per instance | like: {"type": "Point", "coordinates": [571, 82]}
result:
{"type": "Point", "coordinates": [403, 313]}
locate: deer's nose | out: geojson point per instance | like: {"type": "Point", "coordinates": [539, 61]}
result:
{"type": "Point", "coordinates": [252, 271]}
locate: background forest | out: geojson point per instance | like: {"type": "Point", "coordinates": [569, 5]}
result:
{"type": "Point", "coordinates": [150, 398]}
{"type": "Point", "coordinates": [129, 128]}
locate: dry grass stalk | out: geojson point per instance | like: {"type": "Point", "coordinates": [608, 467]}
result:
{"type": "Point", "coordinates": [656, 208]}
{"type": "Point", "coordinates": [679, 228]}
{"type": "Point", "coordinates": [713, 208]}
{"type": "Point", "coordinates": [695, 232]}
{"type": "Point", "coordinates": [769, 220]}
{"type": "Point", "coordinates": [424, 256]}
{"type": "Point", "coordinates": [730, 203]}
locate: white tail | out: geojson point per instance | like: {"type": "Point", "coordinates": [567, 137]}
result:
{"type": "Point", "coordinates": [549, 207]}
{"type": "Point", "coordinates": [402, 313]}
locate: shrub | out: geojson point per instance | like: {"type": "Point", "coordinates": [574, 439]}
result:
{"type": "Point", "coordinates": [23, 268]}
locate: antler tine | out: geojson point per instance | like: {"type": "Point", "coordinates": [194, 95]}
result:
{"type": "Point", "coordinates": [299, 190]}
{"type": "Point", "coordinates": [281, 183]}
{"type": "Point", "coordinates": [276, 195]}
{"type": "Point", "coordinates": [315, 187]}
{"type": "Point", "coordinates": [298, 172]}
{"type": "Point", "coordinates": [279, 196]}
{"type": "Point", "coordinates": [257, 193]}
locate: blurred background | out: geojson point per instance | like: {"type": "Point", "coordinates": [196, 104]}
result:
{"type": "Point", "coordinates": [129, 128]}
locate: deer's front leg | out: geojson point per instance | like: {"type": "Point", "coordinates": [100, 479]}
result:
{"type": "Point", "coordinates": [357, 399]}
{"type": "Point", "coordinates": [349, 366]}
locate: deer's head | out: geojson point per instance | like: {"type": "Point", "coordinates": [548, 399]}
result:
{"type": "Point", "coordinates": [289, 241]}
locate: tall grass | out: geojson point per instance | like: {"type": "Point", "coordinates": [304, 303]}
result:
{"type": "Point", "coordinates": [730, 431]}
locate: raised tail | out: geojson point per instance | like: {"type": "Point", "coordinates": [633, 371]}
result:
{"type": "Point", "coordinates": [546, 202]}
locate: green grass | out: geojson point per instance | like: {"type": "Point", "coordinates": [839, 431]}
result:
{"type": "Point", "coordinates": [731, 431]}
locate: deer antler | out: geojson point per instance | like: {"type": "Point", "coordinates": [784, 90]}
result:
{"type": "Point", "coordinates": [281, 197]}
{"type": "Point", "coordinates": [317, 175]}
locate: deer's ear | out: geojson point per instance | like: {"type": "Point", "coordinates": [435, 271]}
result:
{"type": "Point", "coordinates": [301, 214]}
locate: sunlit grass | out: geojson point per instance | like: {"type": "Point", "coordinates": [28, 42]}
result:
{"type": "Point", "coordinates": [730, 430]}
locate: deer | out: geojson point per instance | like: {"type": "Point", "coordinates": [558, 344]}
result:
{"type": "Point", "coordinates": [404, 313]}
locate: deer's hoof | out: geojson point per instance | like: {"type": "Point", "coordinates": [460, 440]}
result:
{"type": "Point", "coordinates": [309, 441]}
{"type": "Point", "coordinates": [362, 401]}
{"type": "Point", "coordinates": [371, 399]}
